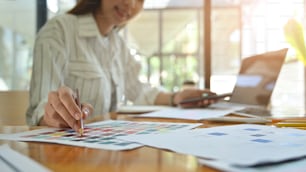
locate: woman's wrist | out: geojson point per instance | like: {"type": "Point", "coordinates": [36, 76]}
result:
{"type": "Point", "coordinates": [172, 99]}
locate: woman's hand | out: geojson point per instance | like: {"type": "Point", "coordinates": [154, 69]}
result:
{"type": "Point", "coordinates": [62, 111]}
{"type": "Point", "coordinates": [193, 93]}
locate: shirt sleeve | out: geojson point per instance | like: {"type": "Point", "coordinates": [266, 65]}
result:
{"type": "Point", "coordinates": [49, 59]}
{"type": "Point", "coordinates": [137, 92]}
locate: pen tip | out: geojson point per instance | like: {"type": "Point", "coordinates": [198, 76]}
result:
{"type": "Point", "coordinates": [81, 132]}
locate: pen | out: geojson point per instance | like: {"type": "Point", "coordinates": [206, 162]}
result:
{"type": "Point", "coordinates": [290, 120]}
{"type": "Point", "coordinates": [77, 100]}
{"type": "Point", "coordinates": [290, 124]}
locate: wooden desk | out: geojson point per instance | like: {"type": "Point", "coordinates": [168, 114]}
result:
{"type": "Point", "coordinates": [70, 158]}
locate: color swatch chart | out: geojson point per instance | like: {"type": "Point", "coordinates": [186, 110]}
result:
{"type": "Point", "coordinates": [101, 135]}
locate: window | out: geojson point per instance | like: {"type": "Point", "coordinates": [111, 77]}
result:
{"type": "Point", "coordinates": [170, 53]}
{"type": "Point", "coordinates": [173, 51]}
{"type": "Point", "coordinates": [17, 33]}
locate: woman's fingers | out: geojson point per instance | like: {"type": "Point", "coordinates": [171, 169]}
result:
{"type": "Point", "coordinates": [66, 97]}
{"type": "Point", "coordinates": [51, 118]}
{"type": "Point", "coordinates": [87, 110]}
{"type": "Point", "coordinates": [62, 107]}
{"type": "Point", "coordinates": [62, 110]}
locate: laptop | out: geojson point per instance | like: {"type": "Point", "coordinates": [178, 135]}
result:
{"type": "Point", "coordinates": [255, 83]}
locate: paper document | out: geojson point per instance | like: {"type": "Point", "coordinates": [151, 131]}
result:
{"type": "Point", "coordinates": [296, 166]}
{"type": "Point", "coordinates": [241, 145]}
{"type": "Point", "coordinates": [192, 114]}
{"type": "Point", "coordinates": [137, 109]}
{"type": "Point", "coordinates": [12, 161]}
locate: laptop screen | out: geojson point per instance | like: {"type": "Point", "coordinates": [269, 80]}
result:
{"type": "Point", "coordinates": [257, 78]}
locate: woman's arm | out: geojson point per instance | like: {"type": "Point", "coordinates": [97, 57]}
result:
{"type": "Point", "coordinates": [51, 103]}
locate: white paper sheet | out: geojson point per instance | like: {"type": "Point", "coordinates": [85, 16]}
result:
{"type": "Point", "coordinates": [100, 135]}
{"type": "Point", "coordinates": [192, 114]}
{"type": "Point", "coordinates": [243, 145]}
{"type": "Point", "coordinates": [137, 109]}
{"type": "Point", "coordinates": [12, 161]}
{"type": "Point", "coordinates": [294, 166]}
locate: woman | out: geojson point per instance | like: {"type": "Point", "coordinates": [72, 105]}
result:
{"type": "Point", "coordinates": [82, 49]}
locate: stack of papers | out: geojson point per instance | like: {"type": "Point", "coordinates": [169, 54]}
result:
{"type": "Point", "coordinates": [240, 146]}
{"type": "Point", "coordinates": [296, 166]}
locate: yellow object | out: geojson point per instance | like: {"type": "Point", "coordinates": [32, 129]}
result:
{"type": "Point", "coordinates": [294, 34]}
{"type": "Point", "coordinates": [287, 124]}
{"type": "Point", "coordinates": [81, 131]}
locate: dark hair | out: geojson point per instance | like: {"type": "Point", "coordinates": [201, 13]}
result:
{"type": "Point", "coordinates": [85, 6]}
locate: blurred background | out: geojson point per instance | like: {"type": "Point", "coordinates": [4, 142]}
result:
{"type": "Point", "coordinates": [169, 38]}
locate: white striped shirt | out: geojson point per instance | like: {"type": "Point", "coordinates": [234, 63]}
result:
{"type": "Point", "coordinates": [69, 50]}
